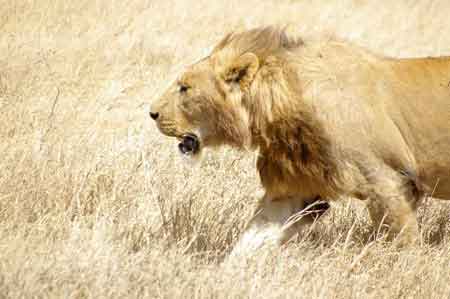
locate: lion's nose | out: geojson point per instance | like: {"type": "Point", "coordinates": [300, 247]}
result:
{"type": "Point", "coordinates": [154, 115]}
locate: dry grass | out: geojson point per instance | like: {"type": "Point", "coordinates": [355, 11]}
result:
{"type": "Point", "coordinates": [95, 203]}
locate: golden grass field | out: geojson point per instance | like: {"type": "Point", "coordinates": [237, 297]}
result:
{"type": "Point", "coordinates": [96, 203]}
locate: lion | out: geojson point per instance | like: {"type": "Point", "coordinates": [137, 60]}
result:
{"type": "Point", "coordinates": [328, 120]}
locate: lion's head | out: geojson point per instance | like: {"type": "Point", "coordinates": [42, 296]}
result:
{"type": "Point", "coordinates": [211, 103]}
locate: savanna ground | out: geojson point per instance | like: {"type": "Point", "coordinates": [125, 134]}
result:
{"type": "Point", "coordinates": [95, 203]}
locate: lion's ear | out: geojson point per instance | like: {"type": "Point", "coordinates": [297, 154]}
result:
{"type": "Point", "coordinates": [243, 70]}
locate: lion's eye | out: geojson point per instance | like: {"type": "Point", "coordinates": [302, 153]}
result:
{"type": "Point", "coordinates": [183, 88]}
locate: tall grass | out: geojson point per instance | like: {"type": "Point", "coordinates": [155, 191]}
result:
{"type": "Point", "coordinates": [94, 202]}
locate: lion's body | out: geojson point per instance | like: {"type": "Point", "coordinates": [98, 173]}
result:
{"type": "Point", "coordinates": [368, 109]}
{"type": "Point", "coordinates": [390, 111]}
{"type": "Point", "coordinates": [328, 118]}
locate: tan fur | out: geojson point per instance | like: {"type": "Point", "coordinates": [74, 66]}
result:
{"type": "Point", "coordinates": [329, 119]}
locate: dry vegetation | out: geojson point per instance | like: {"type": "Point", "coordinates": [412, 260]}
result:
{"type": "Point", "coordinates": [95, 203]}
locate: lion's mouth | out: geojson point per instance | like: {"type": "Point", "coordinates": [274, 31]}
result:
{"type": "Point", "coordinates": [189, 145]}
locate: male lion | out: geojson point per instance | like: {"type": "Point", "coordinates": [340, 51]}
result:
{"type": "Point", "coordinates": [328, 119]}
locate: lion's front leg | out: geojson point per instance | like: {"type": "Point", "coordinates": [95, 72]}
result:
{"type": "Point", "coordinates": [391, 202]}
{"type": "Point", "coordinates": [275, 221]}
{"type": "Point", "coordinates": [394, 217]}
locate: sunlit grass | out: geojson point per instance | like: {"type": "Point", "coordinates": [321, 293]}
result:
{"type": "Point", "coordinates": [94, 202]}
